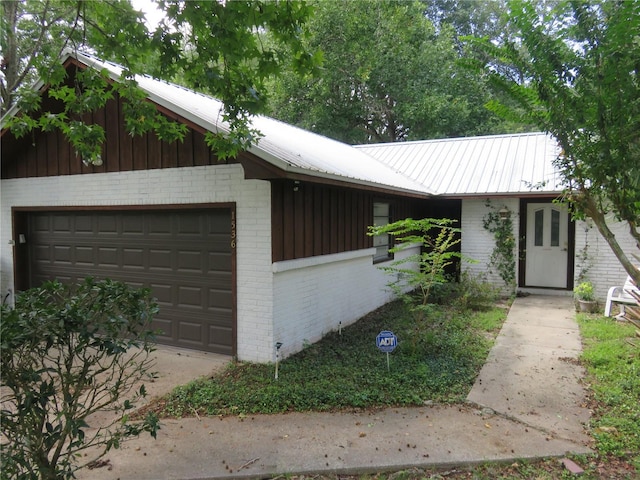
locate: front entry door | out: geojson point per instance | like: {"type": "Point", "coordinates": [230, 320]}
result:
{"type": "Point", "coordinates": [547, 241]}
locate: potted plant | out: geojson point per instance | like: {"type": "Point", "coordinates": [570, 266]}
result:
{"type": "Point", "coordinates": [585, 297]}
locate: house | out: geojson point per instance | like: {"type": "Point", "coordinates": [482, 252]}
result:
{"type": "Point", "coordinates": [271, 247]}
{"type": "Point", "coordinates": [514, 175]}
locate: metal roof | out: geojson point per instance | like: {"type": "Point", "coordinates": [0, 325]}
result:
{"type": "Point", "coordinates": [287, 147]}
{"type": "Point", "coordinates": [489, 165]}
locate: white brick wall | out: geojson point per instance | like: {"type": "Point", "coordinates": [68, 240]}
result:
{"type": "Point", "coordinates": [211, 184]}
{"type": "Point", "coordinates": [313, 295]}
{"type": "Point", "coordinates": [604, 270]}
{"type": "Point", "coordinates": [478, 243]}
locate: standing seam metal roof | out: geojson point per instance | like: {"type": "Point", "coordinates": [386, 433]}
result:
{"type": "Point", "coordinates": [488, 165]}
{"type": "Point", "coordinates": [287, 147]}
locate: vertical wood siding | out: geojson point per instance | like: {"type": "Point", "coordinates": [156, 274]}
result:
{"type": "Point", "coordinates": [310, 219]}
{"type": "Point", "coordinates": [45, 154]}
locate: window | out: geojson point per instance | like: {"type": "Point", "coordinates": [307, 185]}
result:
{"type": "Point", "coordinates": [555, 228]}
{"type": "Point", "coordinates": [539, 228]}
{"type": "Point", "coordinates": [381, 217]}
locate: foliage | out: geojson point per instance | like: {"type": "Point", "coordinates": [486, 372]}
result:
{"type": "Point", "coordinates": [584, 260]}
{"type": "Point", "coordinates": [469, 293]}
{"type": "Point", "coordinates": [613, 367]}
{"type": "Point", "coordinates": [420, 272]}
{"type": "Point", "coordinates": [212, 45]}
{"type": "Point", "coordinates": [579, 82]}
{"type": "Point", "coordinates": [584, 291]}
{"type": "Point", "coordinates": [503, 256]}
{"type": "Point", "coordinates": [67, 353]}
{"type": "Point", "coordinates": [388, 75]}
{"type": "Point", "coordinates": [346, 370]}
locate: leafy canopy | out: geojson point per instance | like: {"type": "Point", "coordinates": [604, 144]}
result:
{"type": "Point", "coordinates": [213, 46]}
{"type": "Point", "coordinates": [388, 75]}
{"type": "Point", "coordinates": [579, 65]}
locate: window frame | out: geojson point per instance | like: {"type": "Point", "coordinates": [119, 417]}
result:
{"type": "Point", "coordinates": [379, 257]}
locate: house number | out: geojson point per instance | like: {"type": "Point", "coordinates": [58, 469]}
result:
{"type": "Point", "coordinates": [233, 229]}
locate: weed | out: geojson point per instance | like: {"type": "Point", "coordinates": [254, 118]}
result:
{"type": "Point", "coordinates": [348, 371]}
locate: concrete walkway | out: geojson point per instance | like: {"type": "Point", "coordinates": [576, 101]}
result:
{"type": "Point", "coordinates": [526, 403]}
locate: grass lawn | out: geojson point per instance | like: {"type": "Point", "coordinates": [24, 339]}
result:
{"type": "Point", "coordinates": [437, 360]}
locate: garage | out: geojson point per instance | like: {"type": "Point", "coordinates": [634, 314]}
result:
{"type": "Point", "coordinates": [184, 255]}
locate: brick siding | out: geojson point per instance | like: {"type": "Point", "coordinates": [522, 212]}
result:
{"type": "Point", "coordinates": [210, 184]}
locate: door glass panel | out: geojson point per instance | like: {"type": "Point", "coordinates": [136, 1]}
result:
{"type": "Point", "coordinates": [555, 228]}
{"type": "Point", "coordinates": [539, 228]}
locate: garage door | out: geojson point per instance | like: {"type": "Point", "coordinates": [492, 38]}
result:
{"type": "Point", "coordinates": [184, 256]}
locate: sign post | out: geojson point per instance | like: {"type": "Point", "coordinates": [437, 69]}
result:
{"type": "Point", "coordinates": [386, 342]}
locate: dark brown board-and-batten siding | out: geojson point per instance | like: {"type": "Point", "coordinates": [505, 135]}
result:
{"type": "Point", "coordinates": [42, 154]}
{"type": "Point", "coordinates": [310, 219]}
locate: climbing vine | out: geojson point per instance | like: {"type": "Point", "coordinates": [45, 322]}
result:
{"type": "Point", "coordinates": [503, 257]}
{"type": "Point", "coordinates": [584, 260]}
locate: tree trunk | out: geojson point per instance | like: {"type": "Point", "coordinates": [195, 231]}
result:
{"type": "Point", "coordinates": [599, 220]}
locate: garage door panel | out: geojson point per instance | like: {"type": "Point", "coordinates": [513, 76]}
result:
{"type": "Point", "coordinates": [219, 261]}
{"type": "Point", "coordinates": [107, 257]}
{"type": "Point", "coordinates": [190, 297]}
{"type": "Point", "coordinates": [108, 224]}
{"type": "Point", "coordinates": [163, 293]}
{"type": "Point", "coordinates": [159, 225]}
{"type": "Point", "coordinates": [220, 298]}
{"type": "Point", "coordinates": [191, 260]}
{"type": "Point", "coordinates": [41, 224]}
{"type": "Point", "coordinates": [61, 223]}
{"type": "Point", "coordinates": [223, 338]}
{"type": "Point", "coordinates": [84, 225]}
{"type": "Point", "coordinates": [62, 253]}
{"type": "Point", "coordinates": [190, 331]}
{"type": "Point", "coordinates": [160, 260]}
{"type": "Point", "coordinates": [133, 225]}
{"type": "Point", "coordinates": [84, 255]}
{"type": "Point", "coordinates": [190, 226]}
{"type": "Point", "coordinates": [163, 328]}
{"type": "Point", "coordinates": [42, 253]}
{"type": "Point", "coordinates": [133, 258]}
{"type": "Point", "coordinates": [183, 256]}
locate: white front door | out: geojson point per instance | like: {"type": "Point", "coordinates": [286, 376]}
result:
{"type": "Point", "coordinates": [547, 245]}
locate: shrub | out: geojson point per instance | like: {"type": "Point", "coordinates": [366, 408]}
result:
{"type": "Point", "coordinates": [67, 353]}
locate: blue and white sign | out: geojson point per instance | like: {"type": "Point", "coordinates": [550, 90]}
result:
{"type": "Point", "coordinates": [386, 341]}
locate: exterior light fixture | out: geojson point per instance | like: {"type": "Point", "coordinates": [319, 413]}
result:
{"type": "Point", "coordinates": [504, 213]}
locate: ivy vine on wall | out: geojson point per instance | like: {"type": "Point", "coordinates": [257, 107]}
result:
{"type": "Point", "coordinates": [503, 257]}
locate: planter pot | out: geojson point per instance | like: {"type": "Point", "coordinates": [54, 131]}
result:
{"type": "Point", "coordinates": [587, 306]}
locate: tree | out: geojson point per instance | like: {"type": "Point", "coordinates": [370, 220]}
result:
{"type": "Point", "coordinates": [215, 45]}
{"type": "Point", "coordinates": [437, 238]}
{"type": "Point", "coordinates": [67, 353]}
{"type": "Point", "coordinates": [387, 76]}
{"type": "Point", "coordinates": [581, 64]}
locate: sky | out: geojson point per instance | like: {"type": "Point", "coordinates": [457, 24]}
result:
{"type": "Point", "coordinates": [152, 14]}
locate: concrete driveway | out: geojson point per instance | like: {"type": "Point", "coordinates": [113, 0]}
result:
{"type": "Point", "coordinates": [177, 366]}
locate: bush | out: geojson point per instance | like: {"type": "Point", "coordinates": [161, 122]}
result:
{"type": "Point", "coordinates": [67, 353]}
{"type": "Point", "coordinates": [470, 293]}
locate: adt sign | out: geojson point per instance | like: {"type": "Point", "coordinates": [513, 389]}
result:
{"type": "Point", "coordinates": [386, 341]}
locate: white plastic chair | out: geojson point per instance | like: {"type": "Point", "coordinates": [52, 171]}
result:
{"type": "Point", "coordinates": [620, 295]}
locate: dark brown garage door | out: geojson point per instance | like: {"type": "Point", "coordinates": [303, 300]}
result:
{"type": "Point", "coordinates": [184, 256]}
